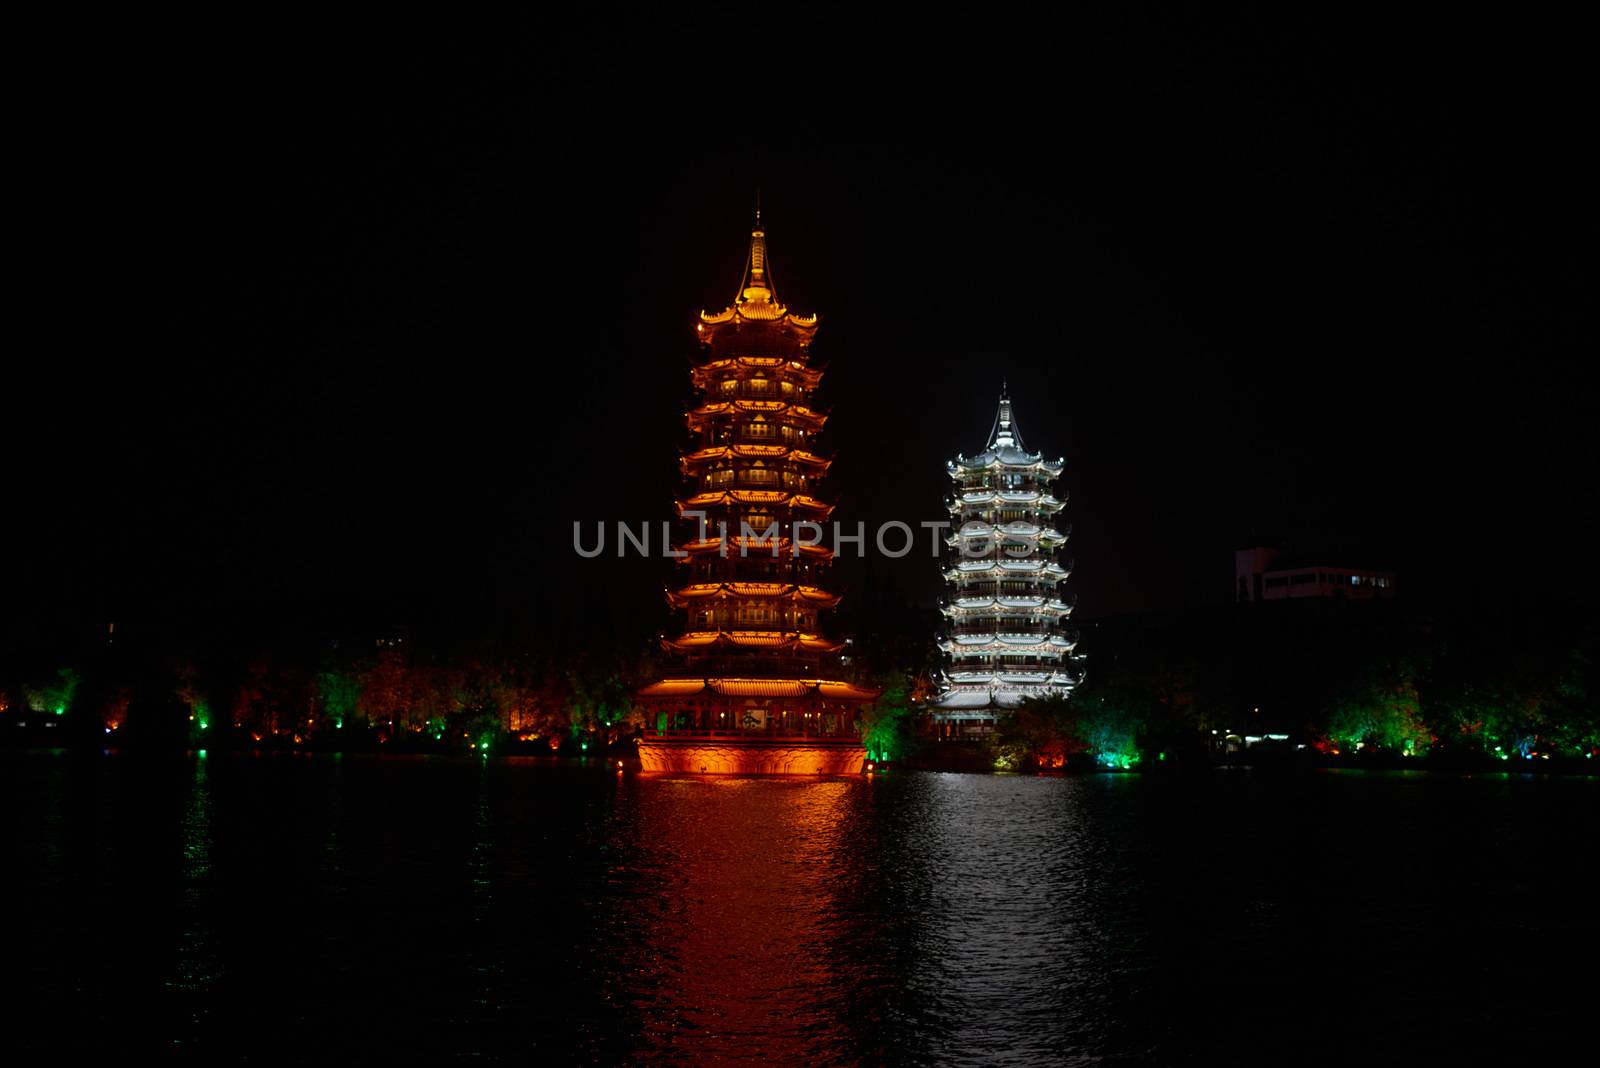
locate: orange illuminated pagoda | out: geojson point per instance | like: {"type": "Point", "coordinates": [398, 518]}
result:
{"type": "Point", "coordinates": [757, 689]}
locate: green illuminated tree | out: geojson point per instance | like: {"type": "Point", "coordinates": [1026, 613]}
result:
{"type": "Point", "coordinates": [55, 696]}
{"type": "Point", "coordinates": [338, 699]}
{"type": "Point", "coordinates": [889, 726]}
{"type": "Point", "coordinates": [1381, 711]}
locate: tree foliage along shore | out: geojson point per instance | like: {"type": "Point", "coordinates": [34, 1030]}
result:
{"type": "Point", "coordinates": [1338, 682]}
{"type": "Point", "coordinates": [1341, 682]}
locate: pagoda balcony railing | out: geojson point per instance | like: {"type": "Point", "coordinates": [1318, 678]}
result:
{"type": "Point", "coordinates": [764, 389]}
{"type": "Point", "coordinates": [1038, 588]}
{"type": "Point", "coordinates": [781, 479]}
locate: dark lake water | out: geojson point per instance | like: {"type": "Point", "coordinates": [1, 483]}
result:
{"type": "Point", "coordinates": [387, 909]}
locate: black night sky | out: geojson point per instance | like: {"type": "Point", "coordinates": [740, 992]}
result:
{"type": "Point", "coordinates": [349, 327]}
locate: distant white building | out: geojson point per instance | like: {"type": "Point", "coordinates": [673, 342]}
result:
{"type": "Point", "coordinates": [1267, 574]}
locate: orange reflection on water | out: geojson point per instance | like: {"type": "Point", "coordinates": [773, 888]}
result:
{"type": "Point", "coordinates": [740, 906]}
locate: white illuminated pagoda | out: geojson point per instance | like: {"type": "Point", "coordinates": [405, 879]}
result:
{"type": "Point", "coordinates": [1006, 637]}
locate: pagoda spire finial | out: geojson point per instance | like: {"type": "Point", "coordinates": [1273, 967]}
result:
{"type": "Point", "coordinates": [1005, 434]}
{"type": "Point", "coordinates": [757, 285]}
{"type": "Point", "coordinates": [756, 299]}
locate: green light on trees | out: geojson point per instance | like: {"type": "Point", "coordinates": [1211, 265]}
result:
{"type": "Point", "coordinates": [53, 697]}
{"type": "Point", "coordinates": [1382, 711]}
{"type": "Point", "coordinates": [888, 726]}
{"type": "Point", "coordinates": [339, 694]}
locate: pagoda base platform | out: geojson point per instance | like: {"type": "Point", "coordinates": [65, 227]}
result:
{"type": "Point", "coordinates": [734, 755]}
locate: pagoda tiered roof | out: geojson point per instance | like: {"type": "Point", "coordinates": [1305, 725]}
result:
{"type": "Point", "coordinates": [1020, 530]}
{"type": "Point", "coordinates": [739, 545]}
{"type": "Point", "coordinates": [994, 679]}
{"type": "Point", "coordinates": [979, 698]}
{"type": "Point", "coordinates": [802, 373]}
{"type": "Point", "coordinates": [985, 604]}
{"type": "Point", "coordinates": [771, 453]}
{"type": "Point", "coordinates": [766, 498]}
{"type": "Point", "coordinates": [1029, 567]}
{"type": "Point", "coordinates": [1002, 498]}
{"type": "Point", "coordinates": [1017, 528]}
{"type": "Point", "coordinates": [695, 640]}
{"type": "Point", "coordinates": [713, 591]}
{"type": "Point", "coordinates": [770, 408]}
{"type": "Point", "coordinates": [757, 300]}
{"type": "Point", "coordinates": [1009, 643]}
{"type": "Point", "coordinates": [1009, 459]}
{"type": "Point", "coordinates": [1005, 449]}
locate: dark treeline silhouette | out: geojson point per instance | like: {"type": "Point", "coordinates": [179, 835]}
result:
{"type": "Point", "coordinates": [392, 686]}
{"type": "Point", "coordinates": [1391, 682]}
{"type": "Point", "coordinates": [1380, 682]}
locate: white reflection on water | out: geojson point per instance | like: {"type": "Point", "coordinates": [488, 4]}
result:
{"type": "Point", "coordinates": [196, 967]}
{"type": "Point", "coordinates": [1006, 873]}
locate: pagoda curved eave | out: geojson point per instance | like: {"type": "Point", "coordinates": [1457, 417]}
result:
{"type": "Point", "coordinates": [809, 596]}
{"type": "Point", "coordinates": [780, 641]}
